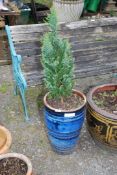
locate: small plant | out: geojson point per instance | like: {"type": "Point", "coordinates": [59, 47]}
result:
{"type": "Point", "coordinates": [57, 61]}
{"type": "Point", "coordinates": [4, 88]}
{"type": "Point", "coordinates": [112, 13]}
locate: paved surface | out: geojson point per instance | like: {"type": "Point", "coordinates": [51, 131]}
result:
{"type": "Point", "coordinates": [30, 138]}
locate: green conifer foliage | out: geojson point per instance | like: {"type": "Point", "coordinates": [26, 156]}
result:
{"type": "Point", "coordinates": [57, 61]}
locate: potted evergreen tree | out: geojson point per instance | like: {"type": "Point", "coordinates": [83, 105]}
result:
{"type": "Point", "coordinates": [64, 107]}
{"type": "Point", "coordinates": [68, 10]}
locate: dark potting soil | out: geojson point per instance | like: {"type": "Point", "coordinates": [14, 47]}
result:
{"type": "Point", "coordinates": [69, 103]}
{"type": "Point", "coordinates": [106, 100]}
{"type": "Point", "coordinates": [12, 166]}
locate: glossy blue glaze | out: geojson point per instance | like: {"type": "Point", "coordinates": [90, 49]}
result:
{"type": "Point", "coordinates": [63, 132]}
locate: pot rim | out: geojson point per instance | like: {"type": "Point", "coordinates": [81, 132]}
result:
{"type": "Point", "coordinates": [60, 110]}
{"type": "Point", "coordinates": [22, 157]}
{"type": "Point", "coordinates": [8, 142]}
{"type": "Point", "coordinates": [69, 2]}
{"type": "Point", "coordinates": [96, 108]}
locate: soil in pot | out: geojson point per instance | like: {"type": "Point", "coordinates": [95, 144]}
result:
{"type": "Point", "coordinates": [106, 100]}
{"type": "Point", "coordinates": [13, 166]}
{"type": "Point", "coordinates": [68, 103]}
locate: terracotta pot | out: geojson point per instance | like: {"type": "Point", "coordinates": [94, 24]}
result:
{"type": "Point", "coordinates": [102, 125]}
{"type": "Point", "coordinates": [68, 11]}
{"type": "Point", "coordinates": [64, 126]}
{"type": "Point", "coordinates": [21, 157]}
{"type": "Point", "coordinates": [5, 140]}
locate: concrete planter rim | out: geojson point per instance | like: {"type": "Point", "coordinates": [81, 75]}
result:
{"type": "Point", "coordinates": [8, 141]}
{"type": "Point", "coordinates": [95, 107]}
{"type": "Point", "coordinates": [69, 2]}
{"type": "Point", "coordinates": [20, 156]}
{"type": "Point", "coordinates": [68, 11]}
{"type": "Point", "coordinates": [57, 110]}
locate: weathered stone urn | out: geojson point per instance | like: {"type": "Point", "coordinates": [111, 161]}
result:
{"type": "Point", "coordinates": [68, 10]}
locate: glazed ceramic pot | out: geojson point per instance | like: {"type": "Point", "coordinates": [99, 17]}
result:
{"type": "Point", "coordinates": [21, 157]}
{"type": "Point", "coordinates": [63, 127]}
{"type": "Point", "coordinates": [68, 11]}
{"type": "Point", "coordinates": [5, 139]}
{"type": "Point", "coordinates": [101, 124]}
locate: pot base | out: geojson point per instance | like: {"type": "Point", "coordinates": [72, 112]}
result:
{"type": "Point", "coordinates": [63, 146]}
{"type": "Point", "coordinates": [103, 146]}
{"type": "Point", "coordinates": [63, 152]}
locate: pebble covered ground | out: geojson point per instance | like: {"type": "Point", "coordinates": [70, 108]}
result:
{"type": "Point", "coordinates": [30, 138]}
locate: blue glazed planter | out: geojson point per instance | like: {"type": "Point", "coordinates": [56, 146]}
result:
{"type": "Point", "coordinates": [64, 127]}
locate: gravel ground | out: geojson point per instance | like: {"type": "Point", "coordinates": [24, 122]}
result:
{"type": "Point", "coordinates": [30, 138]}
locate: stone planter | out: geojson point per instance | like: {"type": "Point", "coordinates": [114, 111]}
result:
{"type": "Point", "coordinates": [21, 157]}
{"type": "Point", "coordinates": [5, 140]}
{"type": "Point", "coordinates": [101, 124]}
{"type": "Point", "coordinates": [68, 11]}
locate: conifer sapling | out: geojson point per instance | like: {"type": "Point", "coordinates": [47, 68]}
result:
{"type": "Point", "coordinates": [57, 61]}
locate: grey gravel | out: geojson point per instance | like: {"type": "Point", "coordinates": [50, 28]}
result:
{"type": "Point", "coordinates": [30, 138]}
